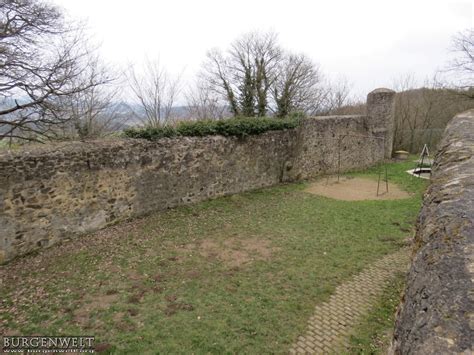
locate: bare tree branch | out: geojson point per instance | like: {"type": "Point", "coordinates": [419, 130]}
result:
{"type": "Point", "coordinates": [42, 61]}
{"type": "Point", "coordinates": [297, 85]}
{"type": "Point", "coordinates": [204, 103]}
{"type": "Point", "coordinates": [460, 69]}
{"type": "Point", "coordinates": [155, 93]}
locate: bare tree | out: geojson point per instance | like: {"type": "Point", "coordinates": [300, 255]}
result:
{"type": "Point", "coordinates": [245, 73]}
{"type": "Point", "coordinates": [297, 85]}
{"type": "Point", "coordinates": [95, 112]}
{"type": "Point", "coordinates": [337, 94]}
{"type": "Point", "coordinates": [462, 65]}
{"type": "Point", "coordinates": [98, 114]}
{"type": "Point", "coordinates": [266, 55]}
{"type": "Point", "coordinates": [255, 76]}
{"type": "Point", "coordinates": [325, 97]}
{"type": "Point", "coordinates": [204, 103]}
{"type": "Point", "coordinates": [218, 73]}
{"type": "Point", "coordinates": [41, 61]}
{"type": "Point", "coordinates": [155, 92]}
{"type": "Point", "coordinates": [356, 106]}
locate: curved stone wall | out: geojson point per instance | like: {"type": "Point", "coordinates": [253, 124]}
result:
{"type": "Point", "coordinates": [52, 193]}
{"type": "Point", "coordinates": [436, 315]}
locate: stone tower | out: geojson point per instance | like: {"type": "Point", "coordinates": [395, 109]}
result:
{"type": "Point", "coordinates": [381, 113]}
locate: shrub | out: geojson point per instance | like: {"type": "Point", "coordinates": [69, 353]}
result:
{"type": "Point", "coordinates": [239, 127]}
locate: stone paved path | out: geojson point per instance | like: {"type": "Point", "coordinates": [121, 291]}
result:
{"type": "Point", "coordinates": [329, 328]}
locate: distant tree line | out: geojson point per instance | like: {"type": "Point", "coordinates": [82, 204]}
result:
{"type": "Point", "coordinates": [422, 113]}
{"type": "Point", "coordinates": [254, 77]}
{"type": "Point", "coordinates": [53, 85]}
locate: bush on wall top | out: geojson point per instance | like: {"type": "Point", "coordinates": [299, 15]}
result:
{"type": "Point", "coordinates": [239, 127]}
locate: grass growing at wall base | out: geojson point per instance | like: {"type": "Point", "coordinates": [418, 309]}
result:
{"type": "Point", "coordinates": [374, 334]}
{"type": "Point", "coordinates": [239, 127]}
{"type": "Point", "coordinates": [238, 274]}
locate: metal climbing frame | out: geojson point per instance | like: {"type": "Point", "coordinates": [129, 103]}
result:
{"type": "Point", "coordinates": [425, 153]}
{"type": "Point", "coordinates": [381, 165]}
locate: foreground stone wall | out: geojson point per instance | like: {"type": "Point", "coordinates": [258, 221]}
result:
{"type": "Point", "coordinates": [437, 313]}
{"type": "Point", "coordinates": [52, 193]}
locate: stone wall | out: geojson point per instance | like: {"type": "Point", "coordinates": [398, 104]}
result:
{"type": "Point", "coordinates": [52, 193]}
{"type": "Point", "coordinates": [436, 315]}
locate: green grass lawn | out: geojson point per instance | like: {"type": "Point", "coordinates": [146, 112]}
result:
{"type": "Point", "coordinates": [235, 274]}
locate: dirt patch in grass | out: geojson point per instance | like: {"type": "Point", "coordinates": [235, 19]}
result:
{"type": "Point", "coordinates": [356, 189]}
{"type": "Point", "coordinates": [233, 252]}
{"type": "Point", "coordinates": [82, 315]}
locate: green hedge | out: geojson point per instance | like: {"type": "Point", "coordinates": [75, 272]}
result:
{"type": "Point", "coordinates": [239, 127]}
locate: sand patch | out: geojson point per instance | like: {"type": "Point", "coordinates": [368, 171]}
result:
{"type": "Point", "coordinates": [356, 189]}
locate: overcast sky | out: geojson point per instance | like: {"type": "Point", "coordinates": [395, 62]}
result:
{"type": "Point", "coordinates": [368, 42]}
